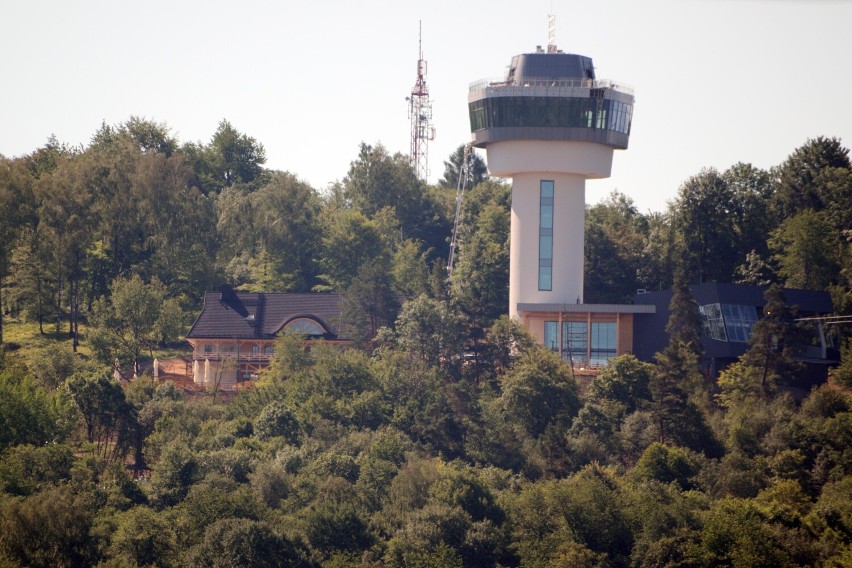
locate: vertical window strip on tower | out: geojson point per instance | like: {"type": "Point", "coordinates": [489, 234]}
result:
{"type": "Point", "coordinates": [545, 236]}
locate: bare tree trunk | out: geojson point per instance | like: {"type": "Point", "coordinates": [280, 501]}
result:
{"type": "Point", "coordinates": [75, 315]}
{"type": "Point", "coordinates": [39, 305]}
{"type": "Point", "coordinates": [58, 304]}
{"type": "Point", "coordinates": [71, 309]}
{"type": "Point", "coordinates": [1, 310]}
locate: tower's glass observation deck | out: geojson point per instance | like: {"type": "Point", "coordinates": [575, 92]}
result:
{"type": "Point", "coordinates": [550, 96]}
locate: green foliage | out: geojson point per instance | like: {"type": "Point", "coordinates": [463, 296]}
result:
{"type": "Point", "coordinates": [736, 533]}
{"type": "Point", "coordinates": [286, 215]}
{"type": "Point", "coordinates": [421, 402]}
{"type": "Point", "coordinates": [429, 331]}
{"type": "Point", "coordinates": [110, 421]}
{"type": "Point", "coordinates": [770, 354]}
{"type": "Point", "coordinates": [615, 239]}
{"type": "Point", "coordinates": [805, 248]}
{"type": "Point", "coordinates": [842, 374]}
{"type": "Point", "coordinates": [28, 413]}
{"type": "Point", "coordinates": [230, 158]}
{"type": "Point", "coordinates": [410, 269]}
{"type": "Point", "coordinates": [270, 483]}
{"type": "Point", "coordinates": [26, 469]}
{"type": "Point", "coordinates": [625, 380]}
{"type": "Point", "coordinates": [455, 442]}
{"type": "Point", "coordinates": [368, 303]}
{"type": "Point", "coordinates": [505, 341]}
{"type": "Point", "coordinates": [667, 464]}
{"type": "Point", "coordinates": [583, 509]}
{"type": "Point", "coordinates": [234, 543]}
{"type": "Point", "coordinates": [480, 276]}
{"type": "Point", "coordinates": [339, 387]}
{"type": "Point", "coordinates": [539, 391]}
{"type": "Point", "coordinates": [679, 420]}
{"type": "Point", "coordinates": [334, 523]}
{"type": "Point", "coordinates": [684, 325]}
{"type": "Point", "coordinates": [377, 180]}
{"type": "Point", "coordinates": [348, 242]}
{"type": "Point", "coordinates": [143, 538]}
{"type": "Point", "coordinates": [48, 529]}
{"type": "Point", "coordinates": [476, 172]}
{"type": "Point", "coordinates": [174, 472]}
{"type": "Point", "coordinates": [704, 227]}
{"type": "Point", "coordinates": [277, 420]}
{"type": "Point", "coordinates": [131, 321]}
{"type": "Point", "coordinates": [799, 175]}
{"type": "Point", "coordinates": [56, 363]}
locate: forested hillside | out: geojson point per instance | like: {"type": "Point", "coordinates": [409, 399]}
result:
{"type": "Point", "coordinates": [445, 437]}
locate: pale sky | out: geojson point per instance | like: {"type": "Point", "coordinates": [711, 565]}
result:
{"type": "Point", "coordinates": [716, 81]}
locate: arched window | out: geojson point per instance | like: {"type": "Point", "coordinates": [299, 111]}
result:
{"type": "Point", "coordinates": [304, 326]}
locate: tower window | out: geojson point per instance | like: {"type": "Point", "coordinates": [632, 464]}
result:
{"type": "Point", "coordinates": [545, 236]}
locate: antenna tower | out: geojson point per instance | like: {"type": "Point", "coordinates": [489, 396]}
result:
{"type": "Point", "coordinates": [551, 33]}
{"type": "Point", "coordinates": [420, 114]}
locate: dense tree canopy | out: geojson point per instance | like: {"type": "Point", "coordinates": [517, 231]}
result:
{"type": "Point", "coordinates": [445, 437]}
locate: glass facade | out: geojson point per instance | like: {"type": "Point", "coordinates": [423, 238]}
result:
{"type": "Point", "coordinates": [575, 341]}
{"type": "Point", "coordinates": [551, 339]}
{"type": "Point", "coordinates": [582, 343]}
{"type": "Point", "coordinates": [728, 322]}
{"type": "Point", "coordinates": [714, 325]}
{"type": "Point", "coordinates": [603, 343]}
{"type": "Point", "coordinates": [545, 236]}
{"type": "Point", "coordinates": [738, 321]}
{"type": "Point", "coordinates": [576, 112]}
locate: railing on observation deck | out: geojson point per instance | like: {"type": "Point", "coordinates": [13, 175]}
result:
{"type": "Point", "coordinates": [560, 84]}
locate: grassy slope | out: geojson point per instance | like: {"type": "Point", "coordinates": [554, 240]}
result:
{"type": "Point", "coordinates": [31, 342]}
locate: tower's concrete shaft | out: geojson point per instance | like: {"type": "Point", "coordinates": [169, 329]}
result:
{"type": "Point", "coordinates": [549, 125]}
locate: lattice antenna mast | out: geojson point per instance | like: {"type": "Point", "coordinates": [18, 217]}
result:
{"type": "Point", "coordinates": [551, 33]}
{"type": "Point", "coordinates": [420, 114]}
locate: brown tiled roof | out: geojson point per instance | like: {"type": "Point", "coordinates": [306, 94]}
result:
{"type": "Point", "coordinates": [243, 315]}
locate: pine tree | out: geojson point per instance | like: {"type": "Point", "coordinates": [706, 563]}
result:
{"type": "Point", "coordinates": [770, 355]}
{"type": "Point", "coordinates": [679, 421]}
{"type": "Point", "coordinates": [684, 323]}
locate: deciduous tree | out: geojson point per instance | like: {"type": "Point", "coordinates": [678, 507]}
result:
{"type": "Point", "coordinates": [703, 220]}
{"type": "Point", "coordinates": [539, 392]}
{"type": "Point", "coordinates": [128, 322]}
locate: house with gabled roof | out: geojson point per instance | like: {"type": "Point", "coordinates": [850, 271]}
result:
{"type": "Point", "coordinates": [233, 338]}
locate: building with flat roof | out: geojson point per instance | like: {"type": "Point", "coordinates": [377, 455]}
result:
{"type": "Point", "coordinates": [728, 312]}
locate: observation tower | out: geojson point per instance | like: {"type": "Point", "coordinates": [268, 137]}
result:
{"type": "Point", "coordinates": [550, 124]}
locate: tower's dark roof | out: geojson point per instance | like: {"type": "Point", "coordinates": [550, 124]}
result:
{"type": "Point", "coordinates": [245, 315]}
{"type": "Point", "coordinates": [550, 67]}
